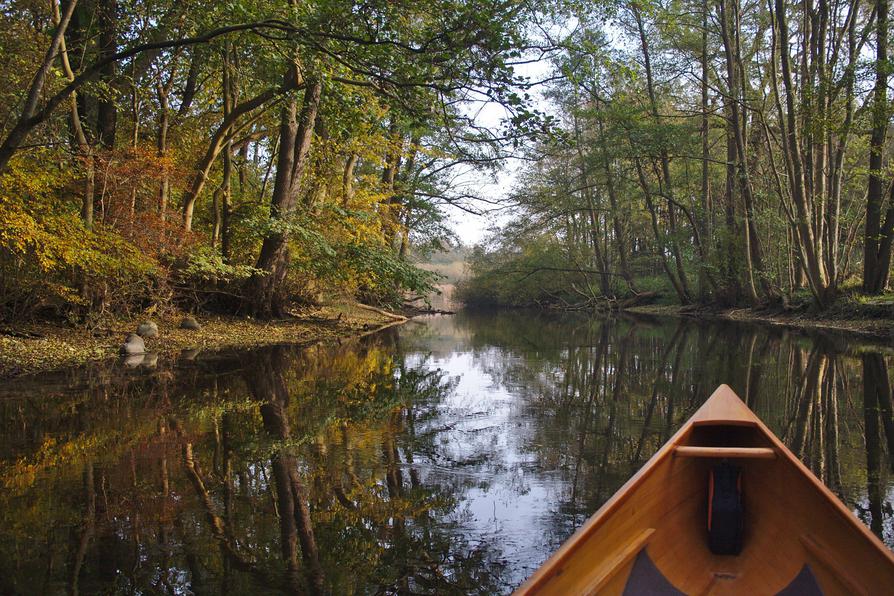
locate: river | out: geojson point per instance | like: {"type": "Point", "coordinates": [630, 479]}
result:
{"type": "Point", "coordinates": [452, 454]}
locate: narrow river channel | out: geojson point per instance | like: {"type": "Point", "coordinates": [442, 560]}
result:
{"type": "Point", "coordinates": [448, 455]}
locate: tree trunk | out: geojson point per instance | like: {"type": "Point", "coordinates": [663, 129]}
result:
{"type": "Point", "coordinates": [401, 198]}
{"type": "Point", "coordinates": [805, 220]}
{"type": "Point", "coordinates": [618, 225]}
{"type": "Point", "coordinates": [82, 145]}
{"type": "Point", "coordinates": [164, 120]}
{"type": "Point", "coordinates": [665, 182]}
{"type": "Point", "coordinates": [107, 109]}
{"type": "Point", "coordinates": [876, 252]}
{"type": "Point", "coordinates": [220, 139]}
{"type": "Point", "coordinates": [707, 208]}
{"type": "Point", "coordinates": [265, 291]}
{"type": "Point", "coordinates": [682, 294]}
{"type": "Point", "coordinates": [220, 229]}
{"type": "Point", "coordinates": [226, 186]}
{"type": "Point", "coordinates": [23, 125]}
{"type": "Point", "coordinates": [393, 158]}
{"type": "Point", "coordinates": [347, 181]}
{"type": "Point", "coordinates": [601, 261]}
{"type": "Point", "coordinates": [753, 252]}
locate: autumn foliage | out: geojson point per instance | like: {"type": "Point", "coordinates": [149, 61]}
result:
{"type": "Point", "coordinates": [239, 157]}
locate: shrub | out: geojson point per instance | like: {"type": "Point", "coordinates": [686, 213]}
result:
{"type": "Point", "coordinates": [49, 262]}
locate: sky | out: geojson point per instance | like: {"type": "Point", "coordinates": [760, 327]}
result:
{"type": "Point", "coordinates": [472, 229]}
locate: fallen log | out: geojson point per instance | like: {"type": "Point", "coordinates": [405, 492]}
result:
{"type": "Point", "coordinates": [384, 313]}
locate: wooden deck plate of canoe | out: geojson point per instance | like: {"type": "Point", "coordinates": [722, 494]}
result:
{"type": "Point", "coordinates": [652, 536]}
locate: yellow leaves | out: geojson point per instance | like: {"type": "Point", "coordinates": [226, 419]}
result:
{"type": "Point", "coordinates": [44, 241]}
{"type": "Point", "coordinates": [24, 237]}
{"type": "Point", "coordinates": [23, 473]}
{"type": "Point", "coordinates": [16, 228]}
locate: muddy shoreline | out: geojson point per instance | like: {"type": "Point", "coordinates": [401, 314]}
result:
{"type": "Point", "coordinates": [43, 347]}
{"type": "Point", "coordinates": [875, 328]}
{"type": "Point", "coordinates": [29, 349]}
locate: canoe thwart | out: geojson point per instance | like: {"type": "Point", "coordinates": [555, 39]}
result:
{"type": "Point", "coordinates": [618, 560]}
{"type": "Point", "coordinates": [732, 452]}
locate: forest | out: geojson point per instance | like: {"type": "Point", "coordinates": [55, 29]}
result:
{"type": "Point", "coordinates": [715, 152]}
{"type": "Point", "coordinates": [240, 157]}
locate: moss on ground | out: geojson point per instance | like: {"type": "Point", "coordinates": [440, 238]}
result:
{"type": "Point", "coordinates": [39, 347]}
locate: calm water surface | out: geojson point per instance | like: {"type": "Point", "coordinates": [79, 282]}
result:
{"type": "Point", "coordinates": [451, 455]}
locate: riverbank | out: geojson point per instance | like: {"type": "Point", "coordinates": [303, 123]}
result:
{"type": "Point", "coordinates": [873, 321]}
{"type": "Point", "coordinates": [41, 347]}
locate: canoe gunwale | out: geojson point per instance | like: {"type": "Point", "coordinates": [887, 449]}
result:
{"type": "Point", "coordinates": [553, 565]}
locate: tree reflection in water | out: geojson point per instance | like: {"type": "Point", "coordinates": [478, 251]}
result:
{"type": "Point", "coordinates": [447, 457]}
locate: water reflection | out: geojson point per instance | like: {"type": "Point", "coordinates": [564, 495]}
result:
{"type": "Point", "coordinates": [449, 456]}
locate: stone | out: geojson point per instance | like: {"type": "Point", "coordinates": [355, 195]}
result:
{"type": "Point", "coordinates": [134, 360]}
{"type": "Point", "coordinates": [134, 344]}
{"type": "Point", "coordinates": [147, 329]}
{"type": "Point", "coordinates": [150, 360]}
{"type": "Point", "coordinates": [190, 323]}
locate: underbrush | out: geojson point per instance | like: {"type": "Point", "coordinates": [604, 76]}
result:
{"type": "Point", "coordinates": [135, 260]}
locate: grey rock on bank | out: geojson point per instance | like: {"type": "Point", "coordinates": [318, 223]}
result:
{"type": "Point", "coordinates": [190, 323]}
{"type": "Point", "coordinates": [147, 329]}
{"type": "Point", "coordinates": [134, 344]}
{"type": "Point", "coordinates": [134, 360]}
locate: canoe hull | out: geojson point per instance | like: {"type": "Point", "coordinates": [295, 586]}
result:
{"type": "Point", "coordinates": [792, 521]}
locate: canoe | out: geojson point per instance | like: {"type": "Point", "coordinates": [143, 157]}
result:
{"type": "Point", "coordinates": [794, 536]}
